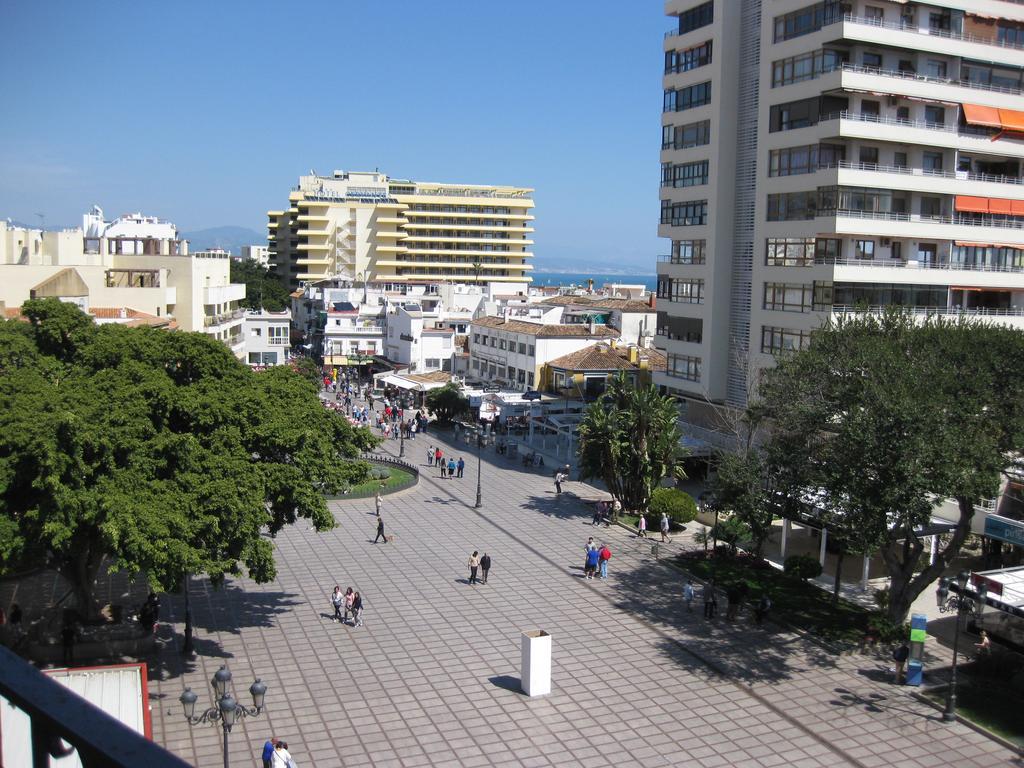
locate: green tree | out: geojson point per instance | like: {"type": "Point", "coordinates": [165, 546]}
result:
{"type": "Point", "coordinates": [307, 368]}
{"type": "Point", "coordinates": [884, 417]}
{"type": "Point", "coordinates": [447, 403]}
{"type": "Point", "coordinates": [155, 453]}
{"type": "Point", "coordinates": [739, 488]}
{"type": "Point", "coordinates": [802, 567]}
{"type": "Point", "coordinates": [678, 505]}
{"type": "Point", "coordinates": [630, 439]}
{"type": "Point", "coordinates": [731, 531]}
{"type": "Point", "coordinates": [262, 287]}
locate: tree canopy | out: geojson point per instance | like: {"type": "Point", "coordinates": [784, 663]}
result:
{"type": "Point", "coordinates": [156, 450]}
{"type": "Point", "coordinates": [262, 287]}
{"type": "Point", "coordinates": [884, 417]}
{"type": "Point", "coordinates": [630, 439]}
{"type": "Point", "coordinates": [447, 403]}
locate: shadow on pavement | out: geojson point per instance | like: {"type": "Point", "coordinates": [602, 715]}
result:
{"type": "Point", "coordinates": [508, 682]}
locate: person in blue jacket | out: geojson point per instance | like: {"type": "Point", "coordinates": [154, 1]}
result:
{"type": "Point", "coordinates": [593, 558]}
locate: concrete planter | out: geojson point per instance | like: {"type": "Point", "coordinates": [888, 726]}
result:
{"type": "Point", "coordinates": [536, 663]}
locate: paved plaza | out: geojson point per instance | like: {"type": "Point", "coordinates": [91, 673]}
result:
{"type": "Point", "coordinates": [432, 677]}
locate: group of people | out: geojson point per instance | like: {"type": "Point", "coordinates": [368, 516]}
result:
{"type": "Point", "coordinates": [347, 604]}
{"type": "Point", "coordinates": [735, 594]}
{"type": "Point", "coordinates": [665, 525]}
{"type": "Point", "coordinates": [596, 559]}
{"type": "Point", "coordinates": [276, 754]}
{"type": "Point", "coordinates": [481, 565]}
{"type": "Point", "coordinates": [449, 467]}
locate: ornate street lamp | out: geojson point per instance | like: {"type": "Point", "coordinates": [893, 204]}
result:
{"type": "Point", "coordinates": [227, 710]}
{"type": "Point", "coordinates": [949, 714]}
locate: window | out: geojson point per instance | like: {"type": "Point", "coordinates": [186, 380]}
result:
{"type": "Point", "coordinates": [476, 364]}
{"type": "Point", "coordinates": [697, 17]}
{"type": "Point", "coordinates": [691, 58]}
{"type": "Point", "coordinates": [522, 348]}
{"type": "Point", "coordinates": [807, 20]}
{"type": "Point", "coordinates": [688, 251]}
{"type": "Point", "coordinates": [476, 338]}
{"type": "Point", "coordinates": [684, 291]}
{"type": "Point", "coordinates": [684, 174]}
{"type": "Point", "coordinates": [792, 206]}
{"type": "Point", "coordinates": [931, 207]}
{"type": "Point", "coordinates": [868, 156]}
{"type": "Point", "coordinates": [899, 159]}
{"type": "Point", "coordinates": [689, 214]}
{"type": "Point", "coordinates": [789, 252]}
{"type": "Point", "coordinates": [935, 68]}
{"type": "Point", "coordinates": [806, 66]}
{"type": "Point", "coordinates": [1012, 36]}
{"type": "Point", "coordinates": [903, 113]}
{"type": "Point", "coordinates": [800, 114]}
{"type": "Point", "coordinates": [935, 115]}
{"type": "Point", "coordinates": [906, 66]}
{"type": "Point", "coordinates": [432, 362]}
{"type": "Point", "coordinates": [870, 108]}
{"type": "Point", "coordinates": [896, 251]}
{"type": "Point", "coordinates": [827, 250]}
{"type": "Point", "coordinates": [687, 98]}
{"type": "Point", "coordinates": [777, 341]}
{"type": "Point", "coordinates": [685, 136]}
{"type": "Point", "coordinates": [872, 60]}
{"type": "Point", "coordinates": [683, 367]}
{"type": "Point", "coordinates": [883, 295]}
{"type": "Point", "coordinates": [984, 74]}
{"type": "Point", "coordinates": [531, 350]}
{"type": "Point", "coordinates": [864, 249]}
{"type": "Point", "coordinates": [501, 343]}
{"type": "Point", "coordinates": [257, 332]}
{"type": "Point", "coordinates": [788, 297]}
{"type": "Point", "coordinates": [277, 335]}
{"type": "Point", "coordinates": [529, 378]}
{"type": "Point", "coordinates": [873, 14]}
{"type": "Point", "coordinates": [932, 161]}
{"type": "Point", "coordinates": [520, 376]}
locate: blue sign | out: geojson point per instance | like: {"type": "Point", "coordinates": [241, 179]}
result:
{"type": "Point", "coordinates": [1004, 529]}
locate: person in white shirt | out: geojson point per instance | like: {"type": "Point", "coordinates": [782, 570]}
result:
{"type": "Point", "coordinates": [282, 757]}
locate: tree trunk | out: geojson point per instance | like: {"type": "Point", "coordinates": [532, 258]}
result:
{"type": "Point", "coordinates": [81, 571]}
{"type": "Point", "coordinates": [839, 575]}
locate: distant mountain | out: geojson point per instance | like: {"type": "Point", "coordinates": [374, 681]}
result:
{"type": "Point", "coordinates": [229, 238]}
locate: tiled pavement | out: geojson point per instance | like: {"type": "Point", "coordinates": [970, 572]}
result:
{"type": "Point", "coordinates": [432, 678]}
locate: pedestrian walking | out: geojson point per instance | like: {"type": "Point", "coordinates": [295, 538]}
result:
{"type": "Point", "coordinates": [734, 595]}
{"type": "Point", "coordinates": [985, 646]}
{"type": "Point", "coordinates": [443, 465]}
{"type": "Point", "coordinates": [452, 466]}
{"type": "Point", "coordinates": [430, 456]}
{"type": "Point", "coordinates": [606, 555]}
{"type": "Point", "coordinates": [460, 467]}
{"type": "Point", "coordinates": [338, 601]}
{"type": "Point", "coordinates": [641, 527]}
{"type": "Point", "coordinates": [350, 596]}
{"type": "Point", "coordinates": [438, 453]}
{"type": "Point", "coordinates": [268, 752]}
{"type": "Point", "coordinates": [598, 513]}
{"type": "Point", "coordinates": [593, 559]}
{"type": "Point", "coordinates": [710, 601]}
{"type": "Point", "coordinates": [761, 610]}
{"type": "Point", "coordinates": [688, 595]}
{"type": "Point", "coordinates": [377, 501]}
{"type": "Point", "coordinates": [68, 636]}
{"type": "Point", "coordinates": [900, 656]}
{"type": "Point", "coordinates": [282, 757]}
{"type": "Point", "coordinates": [380, 531]}
{"type": "Point", "coordinates": [357, 610]}
{"type": "Point", "coordinates": [474, 564]}
{"type": "Point", "coordinates": [559, 478]}
{"type": "Point", "coordinates": [665, 525]}
{"type": "Point", "coordinates": [485, 566]}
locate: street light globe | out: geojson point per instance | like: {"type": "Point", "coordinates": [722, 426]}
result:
{"type": "Point", "coordinates": [228, 710]}
{"type": "Point", "coordinates": [962, 578]}
{"type": "Point", "coordinates": [188, 702]}
{"type": "Point", "coordinates": [259, 692]}
{"type": "Point", "coordinates": [220, 681]}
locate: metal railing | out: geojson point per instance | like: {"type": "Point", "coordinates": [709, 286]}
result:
{"type": "Point", "coordinates": [58, 714]}
{"type": "Point", "coordinates": [667, 258]}
{"type": "Point", "coordinates": [946, 34]}
{"type": "Point", "coordinates": [900, 264]}
{"type": "Point", "coordinates": [878, 119]}
{"type": "Point", "coordinates": [975, 220]}
{"type": "Point", "coordinates": [863, 70]}
{"type": "Point", "coordinates": [225, 317]}
{"type": "Point", "coordinates": [848, 309]}
{"type": "Point", "coordinates": [941, 174]}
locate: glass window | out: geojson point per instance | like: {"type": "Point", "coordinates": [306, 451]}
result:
{"type": "Point", "coordinates": [931, 161]}
{"type": "Point", "coordinates": [872, 60]}
{"type": "Point", "coordinates": [688, 251]}
{"type": "Point", "coordinates": [935, 68]}
{"type": "Point", "coordinates": [869, 156]}
{"type": "Point", "coordinates": [685, 136]}
{"type": "Point", "coordinates": [683, 291]}
{"type": "Point", "coordinates": [788, 297]}
{"type": "Point", "coordinates": [806, 20]}
{"type": "Point", "coordinates": [777, 341]}
{"type": "Point", "coordinates": [931, 207]}
{"type": "Point", "coordinates": [691, 214]}
{"type": "Point", "coordinates": [683, 367]}
{"type": "Point", "coordinates": [899, 159]}
{"type": "Point", "coordinates": [806, 66]}
{"type": "Point", "coordinates": [864, 249]}
{"type": "Point", "coordinates": [874, 14]}
{"type": "Point", "coordinates": [935, 115]}
{"type": "Point", "coordinates": [697, 17]}
{"type": "Point", "coordinates": [827, 250]}
{"type": "Point", "coordinates": [691, 58]}
{"type": "Point", "coordinates": [789, 252]}
{"type": "Point", "coordinates": [792, 206]}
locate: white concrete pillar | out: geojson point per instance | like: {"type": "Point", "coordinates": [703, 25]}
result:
{"type": "Point", "coordinates": [785, 535]}
{"type": "Point", "coordinates": [821, 552]}
{"type": "Point", "coordinates": [933, 549]}
{"type": "Point", "coordinates": [864, 573]}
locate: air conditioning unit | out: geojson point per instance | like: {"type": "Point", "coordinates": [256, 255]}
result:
{"type": "Point", "coordinates": [885, 242]}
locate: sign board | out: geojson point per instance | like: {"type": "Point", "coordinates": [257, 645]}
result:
{"type": "Point", "coordinates": [491, 388]}
{"type": "Point", "coordinates": [1004, 529]}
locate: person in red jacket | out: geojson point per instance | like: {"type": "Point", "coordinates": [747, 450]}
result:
{"type": "Point", "coordinates": [605, 555]}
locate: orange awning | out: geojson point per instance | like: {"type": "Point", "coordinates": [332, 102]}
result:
{"type": "Point", "coordinates": [1000, 206]}
{"type": "Point", "coordinates": [971, 244]}
{"type": "Point", "coordinates": [1018, 207]}
{"type": "Point", "coordinates": [978, 115]}
{"type": "Point", "coordinates": [1011, 120]}
{"type": "Point", "coordinates": [968, 204]}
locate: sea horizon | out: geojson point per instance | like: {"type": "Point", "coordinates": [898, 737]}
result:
{"type": "Point", "coordinates": [600, 278]}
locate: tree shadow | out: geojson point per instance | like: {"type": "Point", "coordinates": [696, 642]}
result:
{"type": "Point", "coordinates": [564, 507]}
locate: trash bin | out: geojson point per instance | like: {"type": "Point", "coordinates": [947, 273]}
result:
{"type": "Point", "coordinates": [513, 448]}
{"type": "Point", "coordinates": [536, 663]}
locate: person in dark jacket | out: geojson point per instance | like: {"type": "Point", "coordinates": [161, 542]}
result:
{"type": "Point", "coordinates": [380, 531]}
{"type": "Point", "coordinates": [485, 566]}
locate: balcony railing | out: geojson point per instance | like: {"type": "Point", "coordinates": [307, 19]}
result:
{"type": "Point", "coordinates": [941, 174]}
{"type": "Point", "coordinates": [975, 220]}
{"type": "Point", "coordinates": [847, 309]}
{"type": "Point", "coordinates": [225, 317]}
{"type": "Point", "coordinates": [947, 34]}
{"type": "Point", "coordinates": [861, 69]}
{"type": "Point", "coordinates": [667, 258]}
{"type": "Point", "coordinates": [58, 714]}
{"type": "Point", "coordinates": [900, 264]}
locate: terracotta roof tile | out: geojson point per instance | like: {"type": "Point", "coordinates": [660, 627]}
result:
{"type": "Point", "coordinates": [601, 357]}
{"type": "Point", "coordinates": [538, 329]}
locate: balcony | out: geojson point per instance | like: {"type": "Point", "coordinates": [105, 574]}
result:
{"type": "Point", "coordinates": [924, 180]}
{"type": "Point", "coordinates": [225, 318]}
{"type": "Point", "coordinates": [983, 228]}
{"type": "Point", "coordinates": [223, 294]}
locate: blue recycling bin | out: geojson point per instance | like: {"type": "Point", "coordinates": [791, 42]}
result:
{"type": "Point", "coordinates": [915, 663]}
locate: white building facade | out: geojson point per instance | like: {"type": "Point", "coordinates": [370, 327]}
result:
{"type": "Point", "coordinates": [266, 337]}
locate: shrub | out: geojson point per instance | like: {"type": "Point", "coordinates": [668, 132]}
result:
{"type": "Point", "coordinates": [803, 567]}
{"type": "Point", "coordinates": [447, 403]}
{"type": "Point", "coordinates": [678, 505]}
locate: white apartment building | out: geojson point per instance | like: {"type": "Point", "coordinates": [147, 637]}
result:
{"type": "Point", "coordinates": [818, 157]}
{"type": "Point", "coordinates": [135, 263]}
{"type": "Point", "coordinates": [367, 226]}
{"type": "Point", "coordinates": [266, 337]}
{"type": "Point", "coordinates": [418, 339]}
{"type": "Point", "coordinates": [258, 253]}
{"type": "Point", "coordinates": [512, 353]}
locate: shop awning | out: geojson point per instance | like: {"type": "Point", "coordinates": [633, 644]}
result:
{"type": "Point", "coordinates": [975, 114]}
{"type": "Point", "coordinates": [971, 244]}
{"type": "Point", "coordinates": [999, 206]}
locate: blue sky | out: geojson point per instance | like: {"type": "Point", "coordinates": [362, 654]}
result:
{"type": "Point", "coordinates": [205, 113]}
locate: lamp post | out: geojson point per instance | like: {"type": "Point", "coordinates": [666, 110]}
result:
{"type": "Point", "coordinates": [481, 438]}
{"type": "Point", "coordinates": [401, 439]}
{"type": "Point", "coordinates": [949, 714]}
{"type": "Point", "coordinates": [227, 710]}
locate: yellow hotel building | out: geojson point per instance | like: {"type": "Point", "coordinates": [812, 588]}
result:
{"type": "Point", "coordinates": [367, 226]}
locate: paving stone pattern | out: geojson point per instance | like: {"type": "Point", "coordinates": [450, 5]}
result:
{"type": "Point", "coordinates": [432, 678]}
